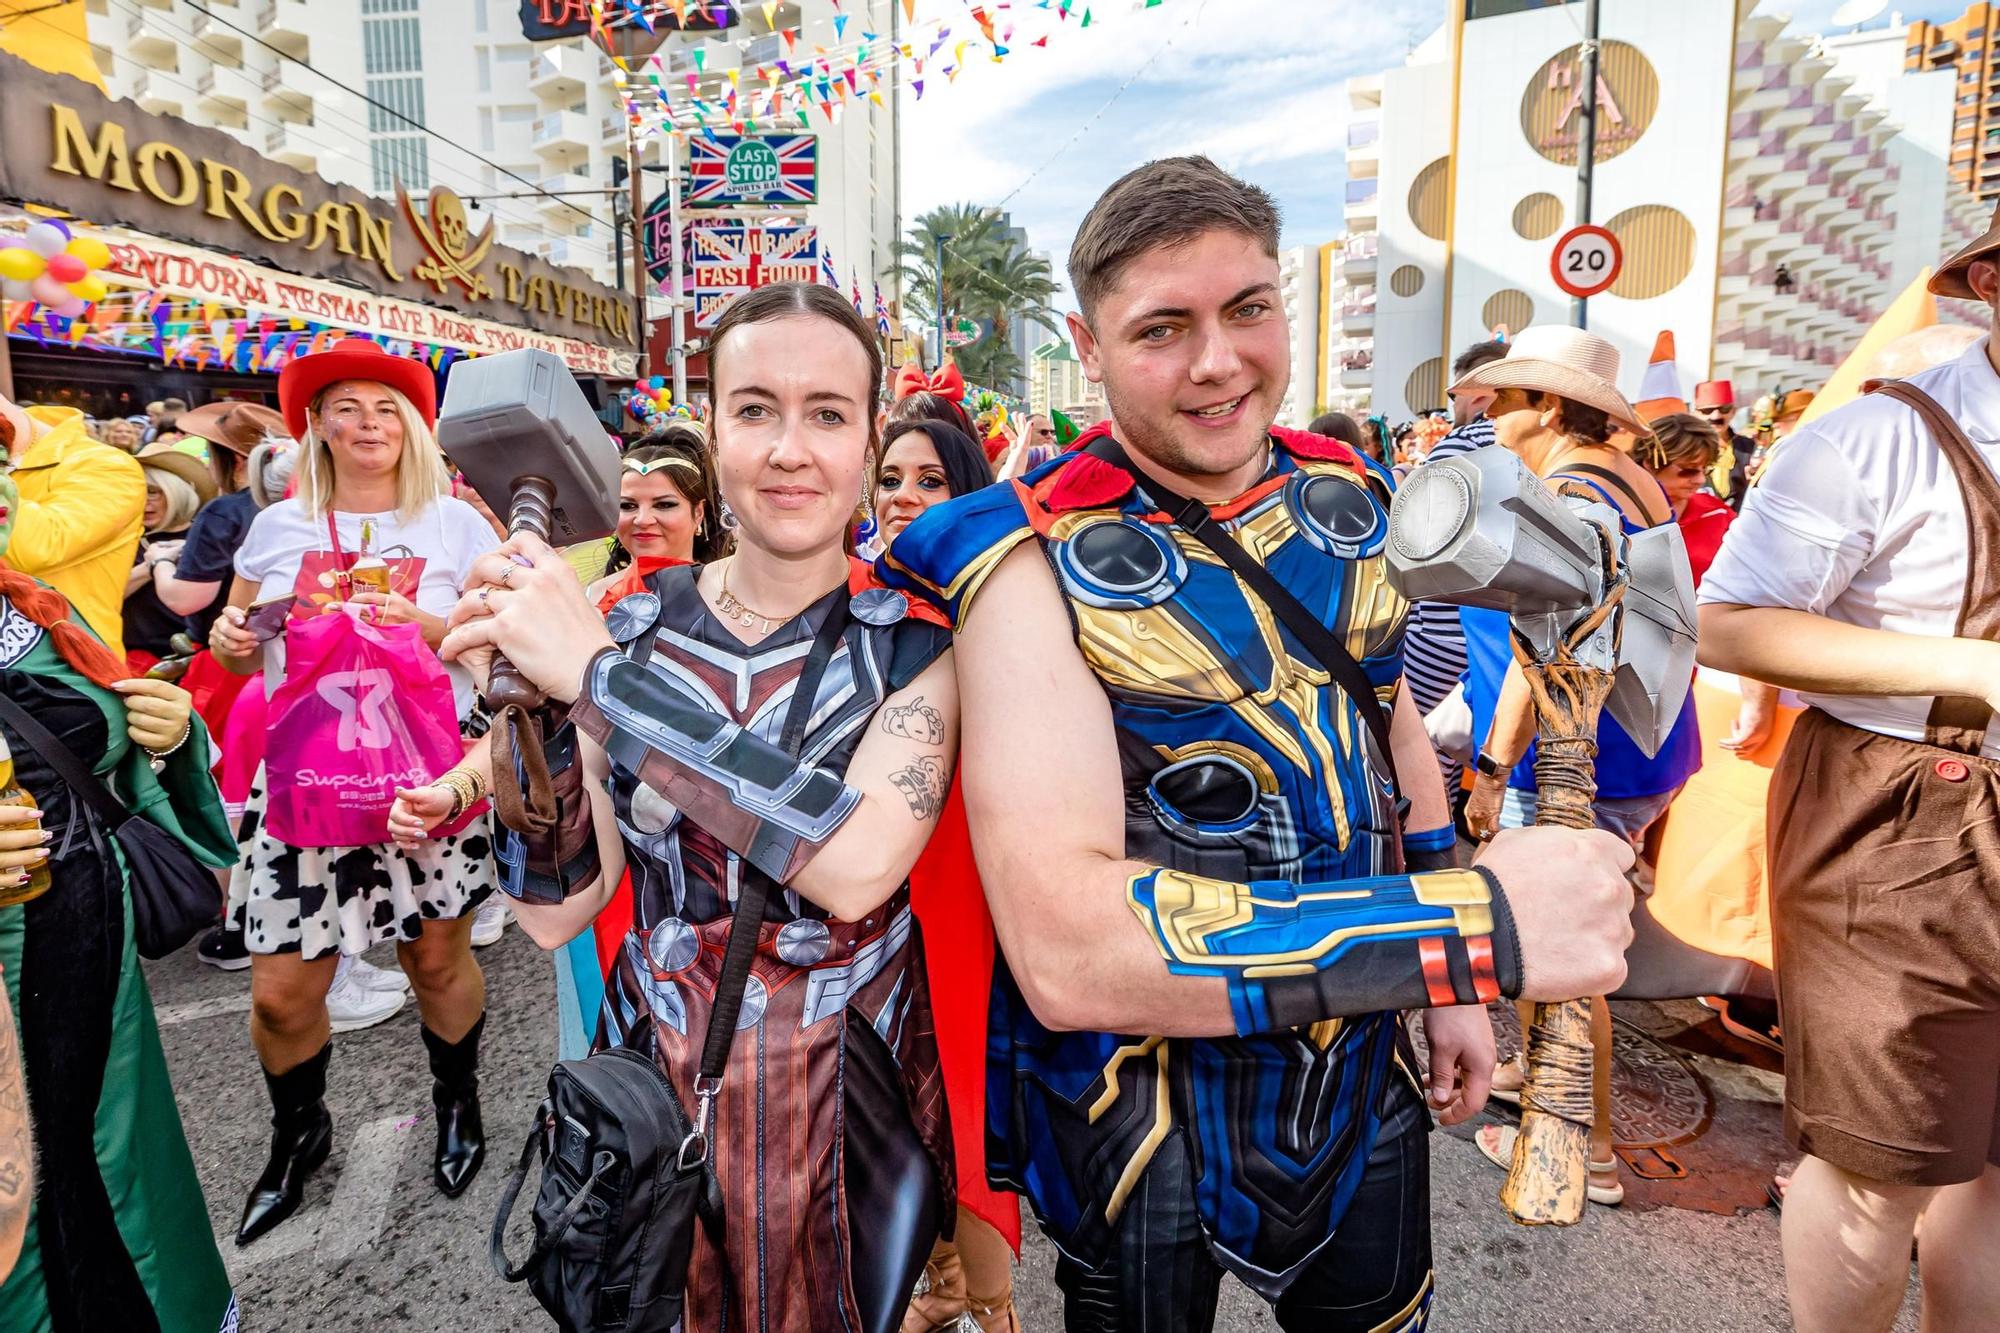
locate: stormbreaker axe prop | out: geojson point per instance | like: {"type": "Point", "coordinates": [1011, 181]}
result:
{"type": "Point", "coordinates": [1599, 619]}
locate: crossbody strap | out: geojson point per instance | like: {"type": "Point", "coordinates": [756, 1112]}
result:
{"type": "Point", "coordinates": [1640, 508]}
{"type": "Point", "coordinates": [72, 770]}
{"type": "Point", "coordinates": [1193, 517]}
{"type": "Point", "coordinates": [747, 921]}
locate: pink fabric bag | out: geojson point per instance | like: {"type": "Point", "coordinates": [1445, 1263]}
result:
{"type": "Point", "coordinates": [364, 709]}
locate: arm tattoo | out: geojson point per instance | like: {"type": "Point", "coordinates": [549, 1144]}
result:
{"type": "Point", "coordinates": [16, 1159]}
{"type": "Point", "coordinates": [916, 721]}
{"type": "Point", "coordinates": [923, 784]}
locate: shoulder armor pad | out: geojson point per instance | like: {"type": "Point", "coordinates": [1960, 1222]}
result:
{"type": "Point", "coordinates": [944, 557]}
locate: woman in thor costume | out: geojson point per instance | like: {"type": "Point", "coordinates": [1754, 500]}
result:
{"type": "Point", "coordinates": [823, 798]}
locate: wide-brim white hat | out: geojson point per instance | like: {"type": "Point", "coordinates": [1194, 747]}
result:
{"type": "Point", "coordinates": [1569, 363]}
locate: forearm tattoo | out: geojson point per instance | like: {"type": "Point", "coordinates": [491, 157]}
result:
{"type": "Point", "coordinates": [915, 721]}
{"type": "Point", "coordinates": [16, 1152]}
{"type": "Point", "coordinates": [923, 783]}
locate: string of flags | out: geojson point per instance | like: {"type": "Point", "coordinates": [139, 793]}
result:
{"type": "Point", "coordinates": [199, 335]}
{"type": "Point", "coordinates": [813, 78]}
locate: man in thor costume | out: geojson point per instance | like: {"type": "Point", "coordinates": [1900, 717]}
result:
{"type": "Point", "coordinates": [1212, 904]}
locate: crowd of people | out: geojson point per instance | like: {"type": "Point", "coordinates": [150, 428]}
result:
{"type": "Point", "coordinates": [1117, 893]}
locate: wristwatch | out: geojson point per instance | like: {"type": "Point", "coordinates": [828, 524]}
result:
{"type": "Point", "coordinates": [1487, 766]}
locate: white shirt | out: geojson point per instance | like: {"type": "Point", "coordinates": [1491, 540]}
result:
{"type": "Point", "coordinates": [1859, 517]}
{"type": "Point", "coordinates": [449, 534]}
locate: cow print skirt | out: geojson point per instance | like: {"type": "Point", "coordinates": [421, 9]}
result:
{"type": "Point", "coordinates": [318, 901]}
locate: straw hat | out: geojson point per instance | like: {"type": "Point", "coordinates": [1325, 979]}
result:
{"type": "Point", "coordinates": [1569, 363]}
{"type": "Point", "coordinates": [236, 426]}
{"type": "Point", "coordinates": [1951, 280]}
{"type": "Point", "coordinates": [168, 457]}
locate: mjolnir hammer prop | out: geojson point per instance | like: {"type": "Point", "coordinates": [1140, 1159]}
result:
{"type": "Point", "coordinates": [1599, 619]}
{"type": "Point", "coordinates": [519, 428]}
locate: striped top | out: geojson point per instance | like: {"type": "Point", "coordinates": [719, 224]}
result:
{"type": "Point", "coordinates": [1433, 642]}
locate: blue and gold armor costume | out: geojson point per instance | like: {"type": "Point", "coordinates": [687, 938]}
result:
{"type": "Point", "coordinates": [1252, 782]}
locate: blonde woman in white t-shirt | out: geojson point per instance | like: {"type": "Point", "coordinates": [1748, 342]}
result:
{"type": "Point", "coordinates": [365, 421]}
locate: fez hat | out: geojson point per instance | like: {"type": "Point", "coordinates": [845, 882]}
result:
{"type": "Point", "coordinates": [1714, 393]}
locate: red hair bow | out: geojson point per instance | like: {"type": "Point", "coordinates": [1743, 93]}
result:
{"type": "Point", "coordinates": [946, 383]}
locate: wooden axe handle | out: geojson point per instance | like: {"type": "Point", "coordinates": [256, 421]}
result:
{"type": "Point", "coordinates": [1548, 1181]}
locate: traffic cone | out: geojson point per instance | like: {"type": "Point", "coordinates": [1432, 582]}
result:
{"type": "Point", "coordinates": [1660, 391]}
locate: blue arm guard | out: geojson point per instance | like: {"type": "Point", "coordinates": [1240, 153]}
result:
{"type": "Point", "coordinates": [1296, 954]}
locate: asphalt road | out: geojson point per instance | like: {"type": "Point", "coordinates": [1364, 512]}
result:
{"type": "Point", "coordinates": [378, 1248]}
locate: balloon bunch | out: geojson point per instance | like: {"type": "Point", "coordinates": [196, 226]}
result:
{"type": "Point", "coordinates": [652, 402]}
{"type": "Point", "coordinates": [56, 267]}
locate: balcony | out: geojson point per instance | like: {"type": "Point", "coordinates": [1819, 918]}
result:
{"type": "Point", "coordinates": [568, 190]}
{"type": "Point", "coordinates": [614, 128]}
{"type": "Point", "coordinates": [1357, 312]}
{"type": "Point", "coordinates": [1363, 205]}
{"type": "Point", "coordinates": [1358, 377]}
{"type": "Point", "coordinates": [160, 94]}
{"type": "Point", "coordinates": [224, 90]}
{"type": "Point", "coordinates": [1358, 257]}
{"type": "Point", "coordinates": [285, 25]}
{"type": "Point", "coordinates": [290, 87]}
{"type": "Point", "coordinates": [287, 142]}
{"type": "Point", "coordinates": [562, 133]}
{"type": "Point", "coordinates": [217, 39]}
{"type": "Point", "coordinates": [559, 74]}
{"type": "Point", "coordinates": [150, 42]}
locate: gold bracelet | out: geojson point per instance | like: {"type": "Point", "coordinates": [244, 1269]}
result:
{"type": "Point", "coordinates": [460, 786]}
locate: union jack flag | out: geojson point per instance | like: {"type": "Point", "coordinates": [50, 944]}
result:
{"type": "Point", "coordinates": [855, 293]}
{"type": "Point", "coordinates": [708, 171]}
{"type": "Point", "coordinates": [730, 258]}
{"type": "Point", "coordinates": [882, 323]}
{"type": "Point", "coordinates": [829, 276]}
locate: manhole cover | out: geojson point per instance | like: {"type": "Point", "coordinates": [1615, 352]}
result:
{"type": "Point", "coordinates": [1657, 1098]}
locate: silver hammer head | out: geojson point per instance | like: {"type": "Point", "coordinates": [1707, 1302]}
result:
{"type": "Point", "coordinates": [518, 421]}
{"type": "Point", "coordinates": [1480, 529]}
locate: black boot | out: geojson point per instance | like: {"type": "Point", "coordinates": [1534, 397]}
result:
{"type": "Point", "coordinates": [301, 1137]}
{"type": "Point", "coordinates": [461, 1141]}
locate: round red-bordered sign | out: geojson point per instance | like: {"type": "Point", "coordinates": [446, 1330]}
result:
{"type": "Point", "coordinates": [1586, 261]}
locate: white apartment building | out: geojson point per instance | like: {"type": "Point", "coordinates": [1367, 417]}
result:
{"type": "Point", "coordinates": [1056, 382]}
{"type": "Point", "coordinates": [1768, 206]}
{"type": "Point", "coordinates": [544, 116]}
{"type": "Point", "coordinates": [1298, 288]}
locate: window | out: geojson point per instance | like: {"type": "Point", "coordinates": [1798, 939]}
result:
{"type": "Point", "coordinates": [391, 46]}
{"type": "Point", "coordinates": [1975, 34]}
{"type": "Point", "coordinates": [400, 161]}
{"type": "Point", "coordinates": [405, 100]}
{"type": "Point", "coordinates": [479, 15]}
{"type": "Point", "coordinates": [485, 70]}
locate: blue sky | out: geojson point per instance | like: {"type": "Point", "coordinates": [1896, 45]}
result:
{"type": "Point", "coordinates": [1255, 84]}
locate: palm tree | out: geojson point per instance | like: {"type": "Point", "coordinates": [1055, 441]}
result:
{"type": "Point", "coordinates": [987, 276]}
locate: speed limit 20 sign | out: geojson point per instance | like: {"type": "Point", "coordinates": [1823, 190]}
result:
{"type": "Point", "coordinates": [1586, 261]}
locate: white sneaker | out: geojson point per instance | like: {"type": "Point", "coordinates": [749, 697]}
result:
{"type": "Point", "coordinates": [351, 1007]}
{"type": "Point", "coordinates": [489, 923]}
{"type": "Point", "coordinates": [370, 977]}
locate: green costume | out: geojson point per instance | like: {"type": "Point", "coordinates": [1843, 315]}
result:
{"type": "Point", "coordinates": [119, 1238]}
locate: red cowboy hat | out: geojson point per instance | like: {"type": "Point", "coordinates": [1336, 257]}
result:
{"type": "Point", "coordinates": [352, 359]}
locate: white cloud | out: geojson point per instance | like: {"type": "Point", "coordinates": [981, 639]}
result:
{"type": "Point", "coordinates": [1256, 84]}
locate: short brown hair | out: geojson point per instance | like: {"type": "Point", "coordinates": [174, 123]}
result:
{"type": "Point", "coordinates": [1165, 203]}
{"type": "Point", "coordinates": [1580, 421]}
{"type": "Point", "coordinates": [788, 300]}
{"type": "Point", "coordinates": [1678, 437]}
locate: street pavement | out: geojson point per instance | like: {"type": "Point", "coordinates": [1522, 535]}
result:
{"type": "Point", "coordinates": [377, 1248]}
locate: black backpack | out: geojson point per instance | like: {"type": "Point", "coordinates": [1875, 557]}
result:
{"type": "Point", "coordinates": [624, 1176]}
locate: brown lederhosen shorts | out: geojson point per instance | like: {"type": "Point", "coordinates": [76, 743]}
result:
{"type": "Point", "coordinates": [1885, 903]}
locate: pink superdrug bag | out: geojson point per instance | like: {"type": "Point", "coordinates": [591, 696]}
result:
{"type": "Point", "coordinates": [364, 709]}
